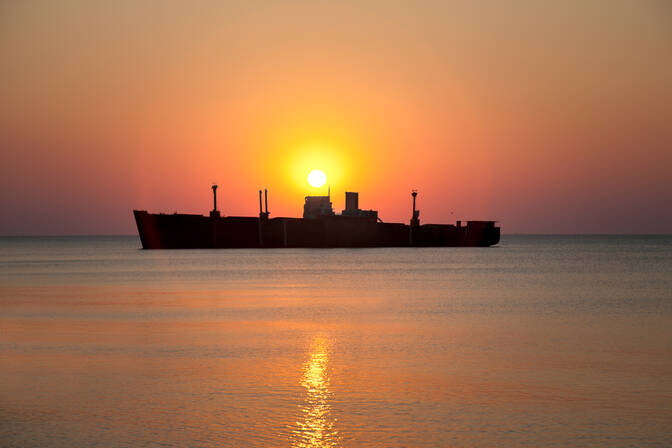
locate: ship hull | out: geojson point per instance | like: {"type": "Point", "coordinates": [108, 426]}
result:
{"type": "Point", "coordinates": [182, 231]}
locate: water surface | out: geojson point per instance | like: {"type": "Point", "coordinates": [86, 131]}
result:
{"type": "Point", "coordinates": [541, 341]}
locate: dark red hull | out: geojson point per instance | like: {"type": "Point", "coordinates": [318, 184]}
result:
{"type": "Point", "coordinates": [180, 231]}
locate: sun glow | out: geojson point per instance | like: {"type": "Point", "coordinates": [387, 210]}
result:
{"type": "Point", "coordinates": [317, 178]}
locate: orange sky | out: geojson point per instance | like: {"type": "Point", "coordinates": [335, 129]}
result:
{"type": "Point", "coordinates": [549, 118]}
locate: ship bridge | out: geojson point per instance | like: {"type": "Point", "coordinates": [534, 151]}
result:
{"type": "Point", "coordinates": [317, 206]}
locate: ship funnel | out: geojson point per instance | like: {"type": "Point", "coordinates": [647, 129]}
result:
{"type": "Point", "coordinates": [351, 201]}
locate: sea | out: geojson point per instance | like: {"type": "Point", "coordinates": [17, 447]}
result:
{"type": "Point", "coordinates": [540, 341]}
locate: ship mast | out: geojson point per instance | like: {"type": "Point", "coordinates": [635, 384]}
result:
{"type": "Point", "coordinates": [415, 220]}
{"type": "Point", "coordinates": [214, 211]}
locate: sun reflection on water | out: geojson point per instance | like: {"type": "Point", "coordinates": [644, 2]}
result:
{"type": "Point", "coordinates": [315, 425]}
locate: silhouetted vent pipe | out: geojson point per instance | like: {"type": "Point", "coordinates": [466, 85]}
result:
{"type": "Point", "coordinates": [416, 213]}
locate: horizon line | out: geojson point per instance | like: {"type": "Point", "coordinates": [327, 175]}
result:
{"type": "Point", "coordinates": [87, 235]}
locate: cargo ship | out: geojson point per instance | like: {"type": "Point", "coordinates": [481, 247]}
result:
{"type": "Point", "coordinates": [320, 227]}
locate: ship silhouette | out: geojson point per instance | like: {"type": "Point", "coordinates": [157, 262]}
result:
{"type": "Point", "coordinates": [319, 227]}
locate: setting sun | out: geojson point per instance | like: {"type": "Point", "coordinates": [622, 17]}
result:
{"type": "Point", "coordinates": [317, 178]}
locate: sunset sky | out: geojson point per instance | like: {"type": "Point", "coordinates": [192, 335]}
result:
{"type": "Point", "coordinates": [551, 117]}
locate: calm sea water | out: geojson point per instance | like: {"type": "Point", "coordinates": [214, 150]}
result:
{"type": "Point", "coordinates": [541, 341]}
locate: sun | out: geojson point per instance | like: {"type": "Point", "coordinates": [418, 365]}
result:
{"type": "Point", "coordinates": [317, 178]}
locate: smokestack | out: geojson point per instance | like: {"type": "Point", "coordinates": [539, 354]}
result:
{"type": "Point", "coordinates": [261, 210]}
{"type": "Point", "coordinates": [266, 200]}
{"type": "Point", "coordinates": [351, 201]}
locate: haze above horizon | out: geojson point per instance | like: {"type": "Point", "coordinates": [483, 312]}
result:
{"type": "Point", "coordinates": [550, 118]}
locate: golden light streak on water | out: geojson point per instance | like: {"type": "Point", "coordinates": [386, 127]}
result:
{"type": "Point", "coordinates": [315, 426]}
